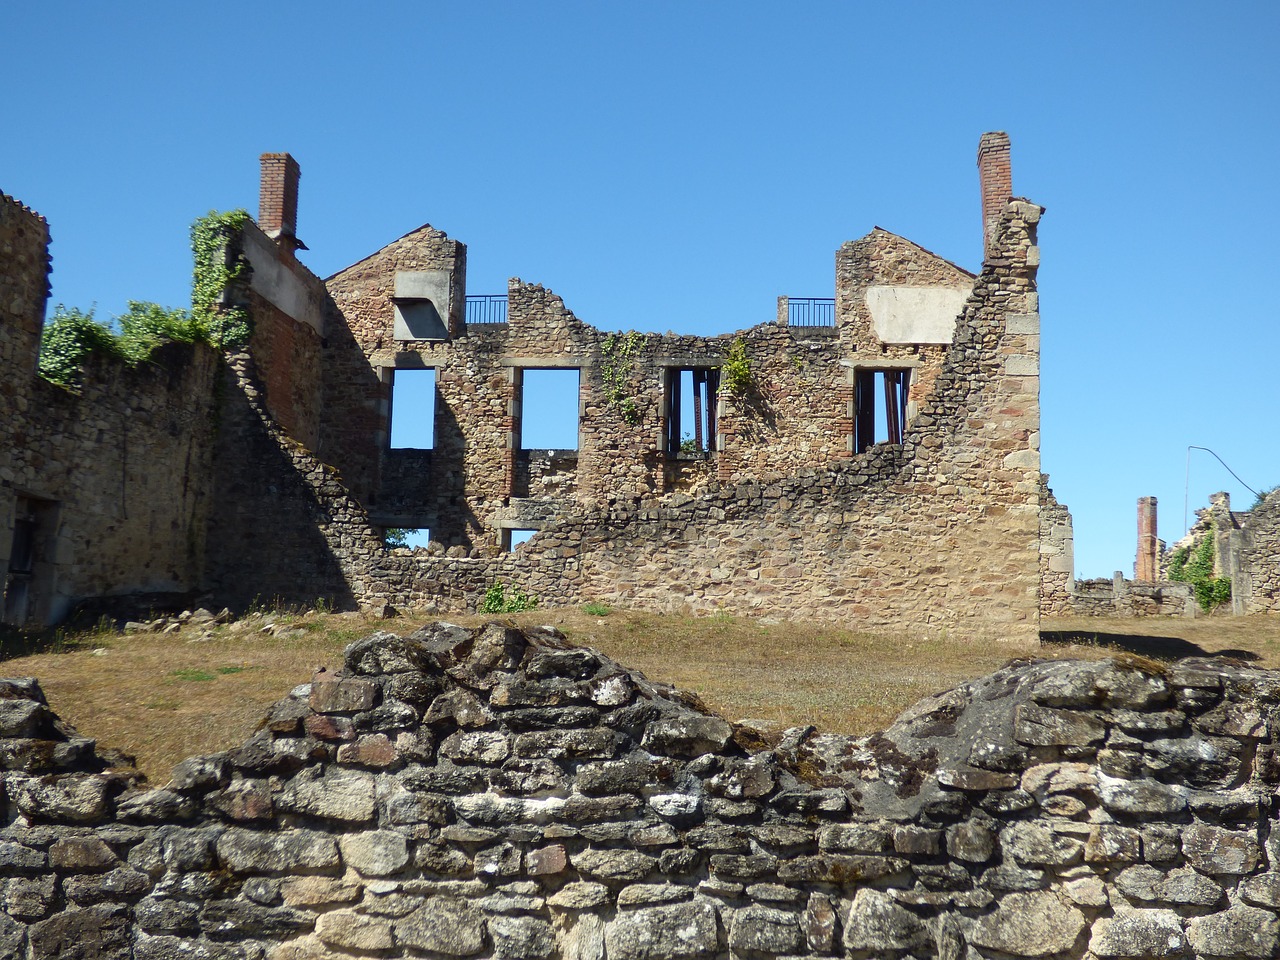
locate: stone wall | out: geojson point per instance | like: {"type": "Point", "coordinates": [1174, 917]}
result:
{"type": "Point", "coordinates": [935, 534]}
{"type": "Point", "coordinates": [1057, 554]}
{"type": "Point", "coordinates": [1119, 597]}
{"type": "Point", "coordinates": [113, 477]}
{"type": "Point", "coordinates": [1254, 557]}
{"type": "Point", "coordinates": [498, 793]}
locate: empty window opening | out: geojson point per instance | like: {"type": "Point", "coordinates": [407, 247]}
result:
{"type": "Point", "coordinates": [547, 408]}
{"type": "Point", "coordinates": [691, 396]}
{"type": "Point", "coordinates": [512, 539]}
{"type": "Point", "coordinates": [413, 409]}
{"type": "Point", "coordinates": [880, 405]}
{"type": "Point", "coordinates": [406, 537]}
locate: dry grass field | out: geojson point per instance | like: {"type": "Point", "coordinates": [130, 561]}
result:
{"type": "Point", "coordinates": [166, 696]}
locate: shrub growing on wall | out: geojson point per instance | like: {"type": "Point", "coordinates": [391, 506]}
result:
{"type": "Point", "coordinates": [1195, 566]}
{"type": "Point", "coordinates": [71, 335]}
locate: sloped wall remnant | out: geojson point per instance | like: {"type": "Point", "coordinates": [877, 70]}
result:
{"type": "Point", "coordinates": [499, 793]}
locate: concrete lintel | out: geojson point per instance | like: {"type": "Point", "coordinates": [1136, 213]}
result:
{"type": "Point", "coordinates": [545, 363]}
{"type": "Point", "coordinates": [882, 363]}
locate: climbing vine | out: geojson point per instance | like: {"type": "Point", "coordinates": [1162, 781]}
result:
{"type": "Point", "coordinates": [71, 335]}
{"type": "Point", "coordinates": [617, 368]}
{"type": "Point", "coordinates": [1196, 568]}
{"type": "Point", "coordinates": [216, 268]}
{"type": "Point", "coordinates": [735, 373]}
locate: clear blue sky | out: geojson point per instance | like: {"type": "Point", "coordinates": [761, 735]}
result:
{"type": "Point", "coordinates": [680, 165]}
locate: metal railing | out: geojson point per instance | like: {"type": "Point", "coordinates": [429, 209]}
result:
{"type": "Point", "coordinates": [810, 312]}
{"type": "Point", "coordinates": [487, 308]}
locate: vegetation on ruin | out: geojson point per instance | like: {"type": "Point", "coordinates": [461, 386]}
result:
{"type": "Point", "coordinates": [617, 371]}
{"type": "Point", "coordinates": [150, 694]}
{"type": "Point", "coordinates": [218, 265]}
{"type": "Point", "coordinates": [735, 372]}
{"type": "Point", "coordinates": [1263, 494]}
{"type": "Point", "coordinates": [1195, 566]}
{"type": "Point", "coordinates": [72, 335]}
{"type": "Point", "coordinates": [498, 600]}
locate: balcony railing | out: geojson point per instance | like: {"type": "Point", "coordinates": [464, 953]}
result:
{"type": "Point", "coordinates": [487, 308]}
{"type": "Point", "coordinates": [811, 312]}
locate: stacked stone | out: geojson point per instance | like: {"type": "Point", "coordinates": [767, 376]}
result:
{"type": "Point", "coordinates": [498, 793]}
{"type": "Point", "coordinates": [1256, 570]}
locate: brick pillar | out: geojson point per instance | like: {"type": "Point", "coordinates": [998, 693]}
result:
{"type": "Point", "coordinates": [995, 175]}
{"type": "Point", "coordinates": [278, 199]}
{"type": "Point", "coordinates": [1147, 569]}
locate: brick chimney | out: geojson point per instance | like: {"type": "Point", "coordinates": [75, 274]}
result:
{"type": "Point", "coordinates": [1147, 569]}
{"type": "Point", "coordinates": [996, 178]}
{"type": "Point", "coordinates": [278, 200]}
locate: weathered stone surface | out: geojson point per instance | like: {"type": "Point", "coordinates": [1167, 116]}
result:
{"type": "Point", "coordinates": [765, 930]}
{"type": "Point", "coordinates": [1041, 844]}
{"type": "Point", "coordinates": [354, 931]}
{"type": "Point", "coordinates": [971, 841]}
{"type": "Point", "coordinates": [1140, 797]}
{"type": "Point", "coordinates": [1029, 925]}
{"type": "Point", "coordinates": [443, 925]}
{"type": "Point", "coordinates": [614, 864]}
{"type": "Point", "coordinates": [251, 851]}
{"type": "Point", "coordinates": [335, 794]}
{"type": "Point", "coordinates": [1038, 726]}
{"type": "Point", "coordinates": [1238, 932]}
{"type": "Point", "coordinates": [375, 853]}
{"type": "Point", "coordinates": [1215, 850]}
{"type": "Point", "coordinates": [521, 938]}
{"type": "Point", "coordinates": [1139, 933]}
{"type": "Point", "coordinates": [663, 933]}
{"type": "Point", "coordinates": [876, 923]}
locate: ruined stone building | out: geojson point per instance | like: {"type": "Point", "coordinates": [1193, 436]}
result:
{"type": "Point", "coordinates": [872, 456]}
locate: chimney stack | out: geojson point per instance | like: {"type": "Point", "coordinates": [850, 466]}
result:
{"type": "Point", "coordinates": [996, 178]}
{"type": "Point", "coordinates": [278, 199]}
{"type": "Point", "coordinates": [1147, 569]}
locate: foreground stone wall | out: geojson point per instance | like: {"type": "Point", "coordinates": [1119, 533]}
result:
{"type": "Point", "coordinates": [498, 793]}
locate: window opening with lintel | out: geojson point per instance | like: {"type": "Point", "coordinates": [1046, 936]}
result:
{"type": "Point", "coordinates": [547, 408]}
{"type": "Point", "coordinates": [413, 409]}
{"type": "Point", "coordinates": [692, 421]}
{"type": "Point", "coordinates": [873, 422]}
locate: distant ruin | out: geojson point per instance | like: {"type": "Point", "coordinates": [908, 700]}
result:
{"type": "Point", "coordinates": [873, 455]}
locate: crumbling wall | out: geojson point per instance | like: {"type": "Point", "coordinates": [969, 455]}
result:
{"type": "Point", "coordinates": [115, 472]}
{"type": "Point", "coordinates": [1119, 597]}
{"type": "Point", "coordinates": [498, 793]}
{"type": "Point", "coordinates": [1057, 554]}
{"type": "Point", "coordinates": [938, 533]}
{"type": "Point", "coordinates": [1255, 570]}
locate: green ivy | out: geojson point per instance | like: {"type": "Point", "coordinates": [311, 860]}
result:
{"type": "Point", "coordinates": [735, 373]}
{"type": "Point", "coordinates": [71, 335]}
{"type": "Point", "coordinates": [617, 368]}
{"type": "Point", "coordinates": [1196, 568]}
{"type": "Point", "coordinates": [219, 264]}
{"type": "Point", "coordinates": [67, 340]}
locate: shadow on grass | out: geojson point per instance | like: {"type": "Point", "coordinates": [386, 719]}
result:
{"type": "Point", "coordinates": [15, 643]}
{"type": "Point", "coordinates": [1158, 648]}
